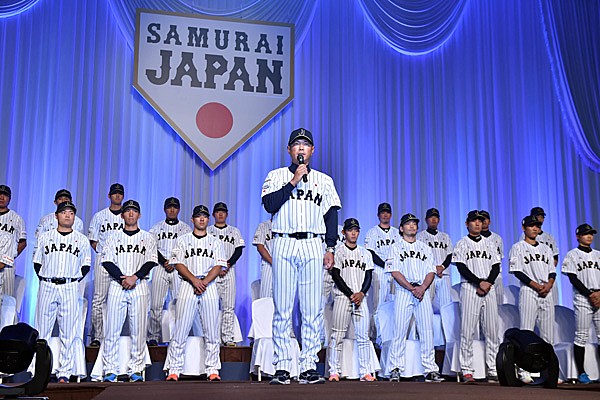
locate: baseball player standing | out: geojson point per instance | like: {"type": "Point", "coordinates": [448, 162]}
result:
{"type": "Point", "coordinates": [499, 245]}
{"type": "Point", "coordinates": [410, 262]}
{"type": "Point", "coordinates": [304, 204]}
{"type": "Point", "coordinates": [582, 266]}
{"type": "Point", "coordinates": [378, 241]}
{"type": "Point", "coordinates": [104, 223]}
{"type": "Point", "coordinates": [478, 262]}
{"type": "Point", "coordinates": [545, 237]}
{"type": "Point", "coordinates": [12, 223]}
{"type": "Point", "coordinates": [233, 244]}
{"type": "Point", "coordinates": [128, 255]}
{"type": "Point", "coordinates": [61, 259]}
{"type": "Point", "coordinates": [164, 278]}
{"type": "Point", "coordinates": [49, 221]}
{"type": "Point", "coordinates": [441, 248]}
{"type": "Point", "coordinates": [7, 252]}
{"type": "Point", "coordinates": [262, 241]}
{"type": "Point", "coordinates": [352, 274]}
{"type": "Point", "coordinates": [199, 258]}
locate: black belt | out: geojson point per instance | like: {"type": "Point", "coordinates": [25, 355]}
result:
{"type": "Point", "coordinates": [59, 281]}
{"type": "Point", "coordinates": [297, 235]}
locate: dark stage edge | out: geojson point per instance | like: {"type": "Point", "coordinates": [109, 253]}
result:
{"type": "Point", "coordinates": [340, 390]}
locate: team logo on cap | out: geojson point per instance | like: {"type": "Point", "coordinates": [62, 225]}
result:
{"type": "Point", "coordinates": [216, 81]}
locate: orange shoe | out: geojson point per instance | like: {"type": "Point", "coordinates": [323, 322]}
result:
{"type": "Point", "coordinates": [214, 378]}
{"type": "Point", "coordinates": [368, 378]}
{"type": "Point", "coordinates": [334, 378]}
{"type": "Point", "coordinates": [173, 377]}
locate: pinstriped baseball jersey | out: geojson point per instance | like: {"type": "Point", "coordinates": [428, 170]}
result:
{"type": "Point", "coordinates": [413, 260]}
{"type": "Point", "coordinates": [49, 222]}
{"type": "Point", "coordinates": [263, 235]}
{"type": "Point", "coordinates": [166, 235]}
{"type": "Point", "coordinates": [103, 224]}
{"type": "Point", "coordinates": [477, 256]}
{"type": "Point", "coordinates": [380, 240]}
{"type": "Point", "coordinates": [308, 203]}
{"type": "Point", "coordinates": [129, 253]}
{"type": "Point", "coordinates": [230, 236]}
{"type": "Point", "coordinates": [7, 249]}
{"type": "Point", "coordinates": [12, 223]}
{"type": "Point", "coordinates": [440, 245]}
{"type": "Point", "coordinates": [352, 263]}
{"type": "Point", "coordinates": [547, 239]}
{"type": "Point", "coordinates": [585, 265]}
{"type": "Point", "coordinates": [498, 243]}
{"type": "Point", "coordinates": [198, 254]}
{"type": "Point", "coordinates": [62, 255]}
{"type": "Point", "coordinates": [534, 261]}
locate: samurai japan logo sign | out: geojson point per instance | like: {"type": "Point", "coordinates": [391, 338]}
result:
{"type": "Point", "coordinates": [216, 81]}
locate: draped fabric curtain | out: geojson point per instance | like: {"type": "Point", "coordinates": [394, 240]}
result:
{"type": "Point", "coordinates": [8, 8]}
{"type": "Point", "coordinates": [474, 123]}
{"type": "Point", "coordinates": [572, 31]}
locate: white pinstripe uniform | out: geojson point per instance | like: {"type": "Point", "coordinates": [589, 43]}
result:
{"type": "Point", "coordinates": [61, 256]}
{"type": "Point", "coordinates": [263, 235]}
{"type": "Point", "coordinates": [352, 264]}
{"type": "Point", "coordinates": [166, 234]}
{"type": "Point", "coordinates": [537, 263]}
{"type": "Point", "coordinates": [12, 223]}
{"type": "Point", "coordinates": [414, 261]}
{"type": "Point", "coordinates": [587, 268]}
{"type": "Point", "coordinates": [498, 244]}
{"type": "Point", "coordinates": [549, 240]}
{"type": "Point", "coordinates": [128, 253]}
{"type": "Point", "coordinates": [49, 222]}
{"type": "Point", "coordinates": [479, 257]}
{"type": "Point", "coordinates": [441, 246]}
{"type": "Point", "coordinates": [380, 241]}
{"type": "Point", "coordinates": [104, 224]}
{"type": "Point", "coordinates": [298, 263]}
{"type": "Point", "coordinates": [7, 252]}
{"type": "Point", "coordinates": [199, 255]}
{"type": "Point", "coordinates": [328, 293]}
{"type": "Point", "coordinates": [231, 238]}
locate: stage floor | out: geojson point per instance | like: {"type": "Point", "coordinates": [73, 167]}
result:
{"type": "Point", "coordinates": [330, 391]}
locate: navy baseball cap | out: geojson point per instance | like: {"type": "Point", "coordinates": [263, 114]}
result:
{"type": "Point", "coordinates": [131, 204]}
{"type": "Point", "coordinates": [432, 212]}
{"type": "Point", "coordinates": [585, 229]}
{"type": "Point", "coordinates": [408, 217]}
{"type": "Point", "coordinates": [200, 210]}
{"type": "Point", "coordinates": [116, 188]}
{"type": "Point", "coordinates": [172, 202]}
{"type": "Point", "coordinates": [535, 211]}
{"type": "Point", "coordinates": [475, 214]}
{"type": "Point", "coordinates": [384, 207]}
{"type": "Point", "coordinates": [64, 205]}
{"type": "Point", "coordinates": [6, 190]}
{"type": "Point", "coordinates": [530, 220]}
{"type": "Point", "coordinates": [486, 214]}
{"type": "Point", "coordinates": [220, 206]}
{"type": "Point", "coordinates": [351, 223]}
{"type": "Point", "coordinates": [63, 193]}
{"type": "Point", "coordinates": [301, 133]}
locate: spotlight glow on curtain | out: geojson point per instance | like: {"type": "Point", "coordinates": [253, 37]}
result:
{"type": "Point", "coordinates": [8, 8]}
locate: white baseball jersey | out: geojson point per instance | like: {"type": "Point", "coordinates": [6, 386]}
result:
{"type": "Point", "coordinates": [230, 236]}
{"type": "Point", "coordinates": [537, 262]}
{"type": "Point", "coordinates": [62, 255]}
{"type": "Point", "coordinates": [413, 260]}
{"type": "Point", "coordinates": [104, 223]}
{"type": "Point", "coordinates": [308, 203]}
{"type": "Point", "coordinates": [477, 256]}
{"type": "Point", "coordinates": [380, 240]}
{"type": "Point", "coordinates": [440, 245]}
{"type": "Point", "coordinates": [12, 223]}
{"type": "Point", "coordinates": [198, 254]}
{"type": "Point", "coordinates": [352, 263]}
{"type": "Point", "coordinates": [166, 235]}
{"type": "Point", "coordinates": [7, 249]}
{"type": "Point", "coordinates": [498, 243]}
{"type": "Point", "coordinates": [129, 253]}
{"type": "Point", "coordinates": [585, 265]}
{"type": "Point", "coordinates": [49, 222]}
{"type": "Point", "coordinates": [263, 235]}
{"type": "Point", "coordinates": [547, 239]}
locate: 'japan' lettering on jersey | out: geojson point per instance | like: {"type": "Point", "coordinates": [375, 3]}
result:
{"type": "Point", "coordinates": [440, 245]}
{"type": "Point", "coordinates": [49, 222]}
{"type": "Point", "coordinates": [413, 260]}
{"type": "Point", "coordinates": [381, 240]}
{"type": "Point", "coordinates": [308, 203]}
{"type": "Point", "coordinates": [129, 253]}
{"type": "Point", "coordinates": [585, 265]}
{"type": "Point", "coordinates": [353, 263]}
{"type": "Point", "coordinates": [7, 249]}
{"type": "Point", "coordinates": [103, 224]}
{"type": "Point", "coordinates": [62, 255]}
{"type": "Point", "coordinates": [547, 239]}
{"type": "Point", "coordinates": [198, 254]}
{"type": "Point", "coordinates": [230, 236]}
{"type": "Point", "coordinates": [534, 261]}
{"type": "Point", "coordinates": [12, 223]}
{"type": "Point", "coordinates": [166, 235]}
{"type": "Point", "coordinates": [477, 256]}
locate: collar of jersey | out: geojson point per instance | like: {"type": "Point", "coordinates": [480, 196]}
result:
{"type": "Point", "coordinates": [131, 233]}
{"type": "Point", "coordinates": [585, 249]}
{"type": "Point", "coordinates": [432, 231]}
{"type": "Point", "coordinates": [172, 221]}
{"type": "Point", "coordinates": [474, 238]}
{"type": "Point", "coordinates": [294, 167]}
{"type": "Point", "coordinates": [199, 237]}
{"type": "Point", "coordinates": [486, 233]}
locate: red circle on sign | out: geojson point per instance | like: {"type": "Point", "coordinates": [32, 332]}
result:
{"type": "Point", "coordinates": [214, 120]}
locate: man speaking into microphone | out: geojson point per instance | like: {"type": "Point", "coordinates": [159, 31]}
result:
{"type": "Point", "coordinates": [304, 205]}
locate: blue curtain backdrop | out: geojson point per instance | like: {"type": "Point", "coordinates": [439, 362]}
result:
{"type": "Point", "coordinates": [474, 118]}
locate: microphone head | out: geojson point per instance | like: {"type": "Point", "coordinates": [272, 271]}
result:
{"type": "Point", "coordinates": [300, 159]}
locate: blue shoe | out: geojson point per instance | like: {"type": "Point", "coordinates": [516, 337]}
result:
{"type": "Point", "coordinates": [110, 378]}
{"type": "Point", "coordinates": [584, 378]}
{"type": "Point", "coordinates": [136, 377]}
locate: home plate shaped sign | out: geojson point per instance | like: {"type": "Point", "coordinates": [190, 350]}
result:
{"type": "Point", "coordinates": [216, 81]}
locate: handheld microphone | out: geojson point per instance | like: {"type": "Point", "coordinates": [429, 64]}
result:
{"type": "Point", "coordinates": [301, 161]}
